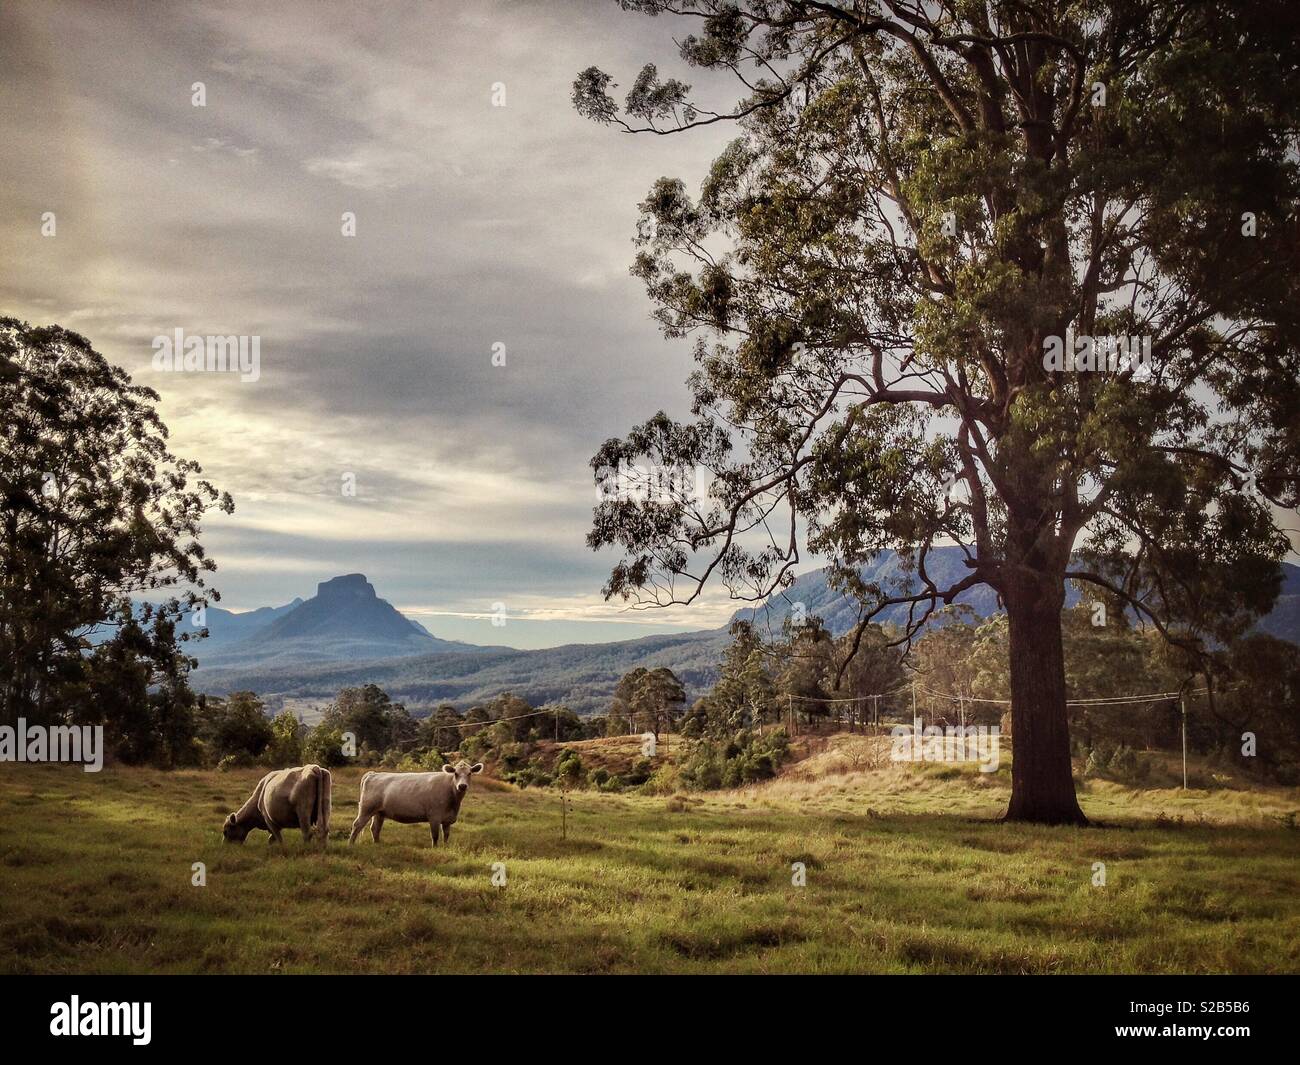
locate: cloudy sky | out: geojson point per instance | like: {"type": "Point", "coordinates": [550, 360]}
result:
{"type": "Point", "coordinates": [476, 225]}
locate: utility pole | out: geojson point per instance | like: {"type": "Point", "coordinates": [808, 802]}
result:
{"type": "Point", "coordinates": [917, 743]}
{"type": "Point", "coordinates": [1182, 702]}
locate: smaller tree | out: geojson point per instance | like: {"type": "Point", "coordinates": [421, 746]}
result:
{"type": "Point", "coordinates": [654, 694]}
{"type": "Point", "coordinates": [285, 748]}
{"type": "Point", "coordinates": [236, 726]}
{"type": "Point", "coordinates": [807, 665]}
{"type": "Point", "coordinates": [876, 669]}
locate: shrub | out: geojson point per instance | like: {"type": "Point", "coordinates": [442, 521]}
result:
{"type": "Point", "coordinates": [568, 768]}
{"type": "Point", "coordinates": [474, 748]}
{"type": "Point", "coordinates": [743, 758]}
{"type": "Point", "coordinates": [236, 725]}
{"type": "Point", "coordinates": [639, 772]}
{"type": "Point", "coordinates": [429, 761]}
{"type": "Point", "coordinates": [285, 748]}
{"type": "Point", "coordinates": [1098, 761]}
{"type": "Point", "coordinates": [324, 746]}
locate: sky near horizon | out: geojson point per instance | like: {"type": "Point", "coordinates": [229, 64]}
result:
{"type": "Point", "coordinates": [475, 225]}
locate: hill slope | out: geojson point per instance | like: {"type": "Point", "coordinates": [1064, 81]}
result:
{"type": "Point", "coordinates": [582, 676]}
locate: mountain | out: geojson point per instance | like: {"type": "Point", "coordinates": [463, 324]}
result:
{"type": "Point", "coordinates": [945, 565]}
{"type": "Point", "coordinates": [226, 628]}
{"type": "Point", "coordinates": [1283, 621]}
{"type": "Point", "coordinates": [582, 676]}
{"type": "Point", "coordinates": [345, 621]}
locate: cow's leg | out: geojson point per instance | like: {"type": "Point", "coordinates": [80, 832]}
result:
{"type": "Point", "coordinates": [358, 825]}
{"type": "Point", "coordinates": [433, 831]}
{"type": "Point", "coordinates": [375, 825]}
{"type": "Point", "coordinates": [306, 806]}
{"type": "Point", "coordinates": [446, 832]}
{"type": "Point", "coordinates": [264, 808]}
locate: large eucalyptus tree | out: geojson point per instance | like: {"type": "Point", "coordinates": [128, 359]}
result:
{"type": "Point", "coordinates": [904, 277]}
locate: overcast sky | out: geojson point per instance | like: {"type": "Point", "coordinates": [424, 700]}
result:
{"type": "Point", "coordinates": [475, 225]}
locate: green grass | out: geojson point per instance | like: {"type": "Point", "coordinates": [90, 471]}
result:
{"type": "Point", "coordinates": [907, 871]}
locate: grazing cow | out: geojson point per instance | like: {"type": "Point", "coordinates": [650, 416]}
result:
{"type": "Point", "coordinates": [285, 798]}
{"type": "Point", "coordinates": [413, 798]}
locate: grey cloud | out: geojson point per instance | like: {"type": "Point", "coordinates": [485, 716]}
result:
{"type": "Point", "coordinates": [475, 225]}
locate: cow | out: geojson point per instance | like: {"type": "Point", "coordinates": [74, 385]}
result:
{"type": "Point", "coordinates": [285, 798]}
{"type": "Point", "coordinates": [412, 799]}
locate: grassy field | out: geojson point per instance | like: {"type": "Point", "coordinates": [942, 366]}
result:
{"type": "Point", "coordinates": [907, 871]}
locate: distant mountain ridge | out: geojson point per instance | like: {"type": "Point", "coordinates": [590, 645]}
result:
{"type": "Point", "coordinates": [582, 676]}
{"type": "Point", "coordinates": [946, 566]}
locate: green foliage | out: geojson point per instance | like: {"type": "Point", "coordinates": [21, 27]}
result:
{"type": "Point", "coordinates": [644, 700]}
{"type": "Point", "coordinates": [568, 768]}
{"type": "Point", "coordinates": [743, 758]}
{"type": "Point", "coordinates": [236, 725]}
{"type": "Point", "coordinates": [873, 272]}
{"type": "Point", "coordinates": [324, 746]}
{"type": "Point", "coordinates": [422, 762]}
{"type": "Point", "coordinates": [94, 510]}
{"type": "Point", "coordinates": [372, 717]}
{"type": "Point", "coordinates": [286, 744]}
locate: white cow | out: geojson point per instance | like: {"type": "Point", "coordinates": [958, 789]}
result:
{"type": "Point", "coordinates": [285, 798]}
{"type": "Point", "coordinates": [413, 798]}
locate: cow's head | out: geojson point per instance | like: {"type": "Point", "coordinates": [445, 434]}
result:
{"type": "Point", "coordinates": [461, 772]}
{"type": "Point", "coordinates": [233, 831]}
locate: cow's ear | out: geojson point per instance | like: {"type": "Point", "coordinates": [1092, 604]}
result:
{"type": "Point", "coordinates": [477, 767]}
{"type": "Point", "coordinates": [447, 767]}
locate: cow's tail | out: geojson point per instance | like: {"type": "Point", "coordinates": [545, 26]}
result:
{"type": "Point", "coordinates": [324, 798]}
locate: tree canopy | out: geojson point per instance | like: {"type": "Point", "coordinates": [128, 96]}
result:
{"type": "Point", "coordinates": [94, 511]}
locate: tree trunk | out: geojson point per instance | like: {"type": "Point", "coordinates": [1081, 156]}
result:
{"type": "Point", "coordinates": [1042, 782]}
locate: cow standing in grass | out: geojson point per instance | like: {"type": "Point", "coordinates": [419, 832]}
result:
{"type": "Point", "coordinates": [413, 798]}
{"type": "Point", "coordinates": [285, 798]}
